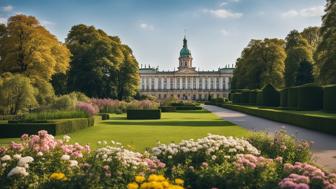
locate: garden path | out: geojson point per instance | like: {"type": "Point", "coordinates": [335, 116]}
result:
{"type": "Point", "coordinates": [324, 145]}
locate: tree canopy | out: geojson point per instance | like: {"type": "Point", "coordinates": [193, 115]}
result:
{"type": "Point", "coordinates": [28, 48]}
{"type": "Point", "coordinates": [101, 66]}
{"type": "Point", "coordinates": [261, 63]}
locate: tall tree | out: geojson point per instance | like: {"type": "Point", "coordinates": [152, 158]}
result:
{"type": "Point", "coordinates": [261, 63]}
{"type": "Point", "coordinates": [312, 35]}
{"type": "Point", "coordinates": [28, 48]}
{"type": "Point", "coordinates": [325, 55]}
{"type": "Point", "coordinates": [101, 65]}
{"type": "Point", "coordinates": [304, 73]}
{"type": "Point", "coordinates": [298, 50]}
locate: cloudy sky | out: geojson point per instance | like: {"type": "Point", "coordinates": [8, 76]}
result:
{"type": "Point", "coordinates": [217, 30]}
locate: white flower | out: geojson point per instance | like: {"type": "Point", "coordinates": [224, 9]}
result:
{"type": "Point", "coordinates": [170, 157]}
{"type": "Point", "coordinates": [66, 138]}
{"type": "Point", "coordinates": [17, 156]}
{"type": "Point", "coordinates": [65, 157]}
{"type": "Point", "coordinates": [6, 158]}
{"type": "Point", "coordinates": [18, 171]}
{"type": "Point", "coordinates": [99, 142]}
{"type": "Point", "coordinates": [104, 142]}
{"type": "Point", "coordinates": [4, 164]}
{"type": "Point", "coordinates": [23, 162]}
{"type": "Point", "coordinates": [213, 157]}
{"type": "Point", "coordinates": [73, 163]}
{"type": "Point", "coordinates": [40, 154]}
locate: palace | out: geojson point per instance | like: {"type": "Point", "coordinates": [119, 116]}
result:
{"type": "Point", "coordinates": [186, 83]}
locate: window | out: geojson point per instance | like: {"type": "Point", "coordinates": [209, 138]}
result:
{"type": "Point", "coordinates": [171, 83]}
{"type": "Point", "coordinates": [217, 83]}
{"type": "Point", "coordinates": [194, 83]}
{"type": "Point", "coordinates": [165, 83]}
{"type": "Point", "coordinates": [159, 83]}
{"type": "Point", "coordinates": [178, 83]}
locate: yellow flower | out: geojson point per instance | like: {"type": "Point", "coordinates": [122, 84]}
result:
{"type": "Point", "coordinates": [139, 179]}
{"type": "Point", "coordinates": [58, 176]}
{"type": "Point", "coordinates": [152, 177]}
{"type": "Point", "coordinates": [132, 185]}
{"type": "Point", "coordinates": [179, 181]}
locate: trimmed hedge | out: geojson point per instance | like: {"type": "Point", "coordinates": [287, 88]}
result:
{"type": "Point", "coordinates": [260, 98]}
{"type": "Point", "coordinates": [104, 116]}
{"type": "Point", "coordinates": [253, 97]}
{"type": "Point", "coordinates": [188, 108]}
{"type": "Point", "coordinates": [329, 98]}
{"type": "Point", "coordinates": [244, 97]}
{"type": "Point", "coordinates": [317, 123]}
{"type": "Point", "coordinates": [144, 114]}
{"type": "Point", "coordinates": [236, 98]}
{"type": "Point", "coordinates": [271, 96]}
{"type": "Point", "coordinates": [53, 115]}
{"type": "Point", "coordinates": [15, 129]}
{"type": "Point", "coordinates": [284, 97]}
{"type": "Point", "coordinates": [292, 97]}
{"type": "Point", "coordinates": [310, 97]}
{"type": "Point", "coordinates": [168, 109]}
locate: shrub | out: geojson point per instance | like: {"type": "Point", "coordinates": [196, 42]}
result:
{"type": "Point", "coordinates": [253, 97]}
{"type": "Point", "coordinates": [42, 116]}
{"type": "Point", "coordinates": [88, 108]}
{"type": "Point", "coordinates": [292, 97]}
{"type": "Point", "coordinates": [142, 105]}
{"type": "Point", "coordinates": [168, 109]}
{"type": "Point", "coordinates": [144, 114]}
{"type": "Point", "coordinates": [236, 98]}
{"type": "Point", "coordinates": [110, 105]}
{"type": "Point", "coordinates": [260, 101]}
{"type": "Point", "coordinates": [329, 98]}
{"type": "Point", "coordinates": [310, 97]}
{"type": "Point", "coordinates": [244, 97]}
{"type": "Point", "coordinates": [188, 108]}
{"type": "Point", "coordinates": [64, 102]}
{"type": "Point", "coordinates": [271, 96]}
{"type": "Point", "coordinates": [105, 116]}
{"type": "Point", "coordinates": [284, 97]}
{"type": "Point", "coordinates": [55, 127]}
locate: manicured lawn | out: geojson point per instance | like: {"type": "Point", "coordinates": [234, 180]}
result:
{"type": "Point", "coordinates": [139, 134]}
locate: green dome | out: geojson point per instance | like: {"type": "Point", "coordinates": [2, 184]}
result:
{"type": "Point", "coordinates": [185, 52]}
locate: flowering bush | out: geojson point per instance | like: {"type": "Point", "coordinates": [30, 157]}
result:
{"type": "Point", "coordinates": [143, 105]}
{"type": "Point", "coordinates": [41, 161]}
{"type": "Point", "coordinates": [89, 108]}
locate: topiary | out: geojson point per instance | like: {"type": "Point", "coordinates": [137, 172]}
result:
{"type": "Point", "coordinates": [284, 97]}
{"type": "Point", "coordinates": [292, 99]}
{"type": "Point", "coordinates": [259, 98]}
{"type": "Point", "coordinates": [236, 98]}
{"type": "Point", "coordinates": [245, 95]}
{"type": "Point", "coordinates": [271, 96]}
{"type": "Point", "coordinates": [253, 97]}
{"type": "Point", "coordinates": [310, 97]}
{"type": "Point", "coordinates": [329, 98]}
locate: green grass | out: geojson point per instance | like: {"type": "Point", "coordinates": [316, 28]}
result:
{"type": "Point", "coordinates": [141, 134]}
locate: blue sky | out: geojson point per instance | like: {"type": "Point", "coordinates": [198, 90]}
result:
{"type": "Point", "coordinates": [217, 30]}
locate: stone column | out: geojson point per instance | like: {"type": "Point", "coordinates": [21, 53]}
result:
{"type": "Point", "coordinates": [221, 83]}
{"type": "Point", "coordinates": [226, 83]}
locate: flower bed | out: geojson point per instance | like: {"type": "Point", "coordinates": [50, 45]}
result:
{"type": "Point", "coordinates": [41, 161]}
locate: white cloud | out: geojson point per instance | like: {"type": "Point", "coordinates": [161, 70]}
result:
{"type": "Point", "coordinates": [223, 13]}
{"type": "Point", "coordinates": [145, 26]}
{"type": "Point", "coordinates": [227, 2]}
{"type": "Point", "coordinates": [306, 12]}
{"type": "Point", "coordinates": [3, 20]}
{"type": "Point", "coordinates": [7, 8]}
{"type": "Point", "coordinates": [47, 23]}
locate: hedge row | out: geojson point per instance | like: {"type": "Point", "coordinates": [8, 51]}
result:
{"type": "Point", "coordinates": [329, 97]}
{"type": "Point", "coordinates": [189, 108]}
{"type": "Point", "coordinates": [15, 129]}
{"type": "Point", "coordinates": [144, 114]}
{"type": "Point", "coordinates": [104, 116]}
{"type": "Point", "coordinates": [321, 124]}
{"type": "Point", "coordinates": [168, 109]}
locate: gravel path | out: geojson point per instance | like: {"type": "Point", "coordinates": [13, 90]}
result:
{"type": "Point", "coordinates": [324, 146]}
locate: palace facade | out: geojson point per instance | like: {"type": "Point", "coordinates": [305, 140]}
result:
{"type": "Point", "coordinates": [186, 83]}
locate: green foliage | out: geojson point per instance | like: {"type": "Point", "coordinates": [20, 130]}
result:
{"type": "Point", "coordinates": [261, 62]}
{"type": "Point", "coordinates": [310, 97]}
{"type": "Point", "coordinates": [281, 145]}
{"type": "Point", "coordinates": [168, 108]}
{"type": "Point", "coordinates": [16, 94]}
{"type": "Point", "coordinates": [292, 97]}
{"type": "Point", "coordinates": [64, 102]}
{"type": "Point", "coordinates": [298, 51]}
{"type": "Point", "coordinates": [235, 98]}
{"type": "Point", "coordinates": [304, 73]}
{"type": "Point", "coordinates": [260, 100]}
{"type": "Point", "coordinates": [314, 122]}
{"type": "Point", "coordinates": [325, 53]}
{"type": "Point", "coordinates": [329, 98]}
{"type": "Point", "coordinates": [253, 97]}
{"type": "Point", "coordinates": [44, 92]}
{"type": "Point", "coordinates": [16, 129]}
{"type": "Point", "coordinates": [43, 116]}
{"type": "Point", "coordinates": [188, 107]}
{"type": "Point", "coordinates": [143, 114]}
{"type": "Point", "coordinates": [245, 95]}
{"type": "Point", "coordinates": [109, 70]}
{"type": "Point", "coordinates": [271, 96]}
{"type": "Point", "coordinates": [104, 116]}
{"type": "Point", "coordinates": [312, 35]}
{"type": "Point", "coordinates": [284, 97]}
